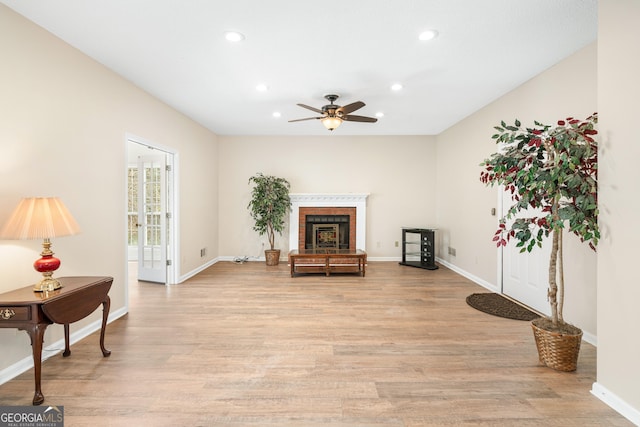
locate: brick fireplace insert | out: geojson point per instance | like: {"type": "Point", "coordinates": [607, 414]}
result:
{"type": "Point", "coordinates": [327, 215]}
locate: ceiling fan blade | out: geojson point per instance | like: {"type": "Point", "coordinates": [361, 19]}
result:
{"type": "Point", "coordinates": [310, 108]}
{"type": "Point", "coordinates": [308, 118]}
{"type": "Point", "coordinates": [352, 118]}
{"type": "Point", "coordinates": [349, 108]}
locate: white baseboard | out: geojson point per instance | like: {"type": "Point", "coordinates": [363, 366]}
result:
{"type": "Point", "coordinates": [590, 338]}
{"type": "Point", "coordinates": [195, 271]}
{"type": "Point", "coordinates": [216, 260]}
{"type": "Point", "coordinates": [473, 278]}
{"type": "Point", "coordinates": [383, 258]}
{"type": "Point", "coordinates": [12, 371]}
{"type": "Point", "coordinates": [51, 350]}
{"type": "Point", "coordinates": [617, 404]}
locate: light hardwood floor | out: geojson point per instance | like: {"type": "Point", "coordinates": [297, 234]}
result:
{"type": "Point", "coordinates": [247, 345]}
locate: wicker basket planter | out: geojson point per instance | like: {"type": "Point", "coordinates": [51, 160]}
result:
{"type": "Point", "coordinates": [557, 350]}
{"type": "Point", "coordinates": [272, 256]}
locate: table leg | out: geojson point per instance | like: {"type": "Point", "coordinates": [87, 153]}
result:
{"type": "Point", "coordinates": [326, 266]}
{"type": "Point", "coordinates": [67, 351]}
{"type": "Point", "coordinates": [293, 263]}
{"type": "Point", "coordinates": [36, 334]}
{"type": "Point", "coordinates": [105, 315]}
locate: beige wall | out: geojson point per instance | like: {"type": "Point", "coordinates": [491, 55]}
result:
{"type": "Point", "coordinates": [618, 283]}
{"type": "Point", "coordinates": [63, 127]}
{"type": "Point", "coordinates": [398, 172]}
{"type": "Point", "coordinates": [62, 133]}
{"type": "Point", "coordinates": [466, 223]}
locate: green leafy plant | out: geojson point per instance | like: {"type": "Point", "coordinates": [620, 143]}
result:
{"type": "Point", "coordinates": [552, 169]}
{"type": "Point", "coordinates": [269, 205]}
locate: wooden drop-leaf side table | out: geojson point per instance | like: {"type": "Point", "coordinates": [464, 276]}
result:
{"type": "Point", "coordinates": [32, 312]}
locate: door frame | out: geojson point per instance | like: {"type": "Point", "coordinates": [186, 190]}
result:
{"type": "Point", "coordinates": [173, 237]}
{"type": "Point", "coordinates": [500, 249]}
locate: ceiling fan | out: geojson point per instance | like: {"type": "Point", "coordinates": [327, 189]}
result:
{"type": "Point", "coordinates": [333, 115]}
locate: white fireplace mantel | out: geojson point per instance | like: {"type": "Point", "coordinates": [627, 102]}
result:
{"type": "Point", "coordinates": [346, 200]}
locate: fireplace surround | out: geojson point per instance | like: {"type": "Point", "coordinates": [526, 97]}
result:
{"type": "Point", "coordinates": [352, 204]}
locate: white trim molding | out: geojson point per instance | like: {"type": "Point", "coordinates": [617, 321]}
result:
{"type": "Point", "coordinates": [616, 403]}
{"type": "Point", "coordinates": [344, 200]}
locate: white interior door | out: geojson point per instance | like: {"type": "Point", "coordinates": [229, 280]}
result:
{"type": "Point", "coordinates": [152, 219]}
{"type": "Point", "coordinates": [525, 276]}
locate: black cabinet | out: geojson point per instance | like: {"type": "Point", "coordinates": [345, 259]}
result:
{"type": "Point", "coordinates": [418, 248]}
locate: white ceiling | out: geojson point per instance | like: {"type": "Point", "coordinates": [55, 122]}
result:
{"type": "Point", "coordinates": [175, 50]}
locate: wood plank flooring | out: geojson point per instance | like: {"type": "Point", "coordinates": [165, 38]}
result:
{"type": "Point", "coordinates": [247, 345]}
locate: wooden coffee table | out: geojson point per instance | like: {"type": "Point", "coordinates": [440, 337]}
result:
{"type": "Point", "coordinates": [328, 261]}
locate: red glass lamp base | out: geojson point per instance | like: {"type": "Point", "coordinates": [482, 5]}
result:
{"type": "Point", "coordinates": [47, 265]}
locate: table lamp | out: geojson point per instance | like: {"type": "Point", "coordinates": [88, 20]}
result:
{"type": "Point", "coordinates": [41, 218]}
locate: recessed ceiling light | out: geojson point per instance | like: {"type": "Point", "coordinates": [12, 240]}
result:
{"type": "Point", "coordinates": [276, 114]}
{"type": "Point", "coordinates": [396, 86]}
{"type": "Point", "coordinates": [262, 87]}
{"type": "Point", "coordinates": [380, 114]}
{"type": "Point", "coordinates": [428, 35]}
{"type": "Point", "coordinates": [233, 36]}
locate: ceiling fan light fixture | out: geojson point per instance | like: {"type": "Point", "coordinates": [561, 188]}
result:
{"type": "Point", "coordinates": [331, 122]}
{"type": "Point", "coordinates": [333, 115]}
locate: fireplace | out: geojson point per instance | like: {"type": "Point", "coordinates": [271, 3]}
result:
{"type": "Point", "coordinates": [327, 231]}
{"type": "Point", "coordinates": [316, 223]}
{"type": "Point", "coordinates": [347, 212]}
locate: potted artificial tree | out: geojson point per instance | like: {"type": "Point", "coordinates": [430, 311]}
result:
{"type": "Point", "coordinates": [269, 205]}
{"type": "Point", "coordinates": [552, 169]}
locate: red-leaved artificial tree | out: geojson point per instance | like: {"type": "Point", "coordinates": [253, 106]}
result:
{"type": "Point", "coordinates": [552, 169]}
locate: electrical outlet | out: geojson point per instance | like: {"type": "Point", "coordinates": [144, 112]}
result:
{"type": "Point", "coordinates": [452, 251]}
{"type": "Point", "coordinates": [203, 252]}
{"type": "Point", "coordinates": [397, 244]}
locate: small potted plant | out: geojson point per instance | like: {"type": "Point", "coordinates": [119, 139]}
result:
{"type": "Point", "coordinates": [552, 169]}
{"type": "Point", "coordinates": [269, 206]}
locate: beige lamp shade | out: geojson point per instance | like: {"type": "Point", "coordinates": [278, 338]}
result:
{"type": "Point", "coordinates": [39, 218]}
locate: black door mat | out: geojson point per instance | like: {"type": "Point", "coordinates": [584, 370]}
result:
{"type": "Point", "coordinates": [498, 305]}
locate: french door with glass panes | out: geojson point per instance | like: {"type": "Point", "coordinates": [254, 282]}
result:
{"type": "Point", "coordinates": [152, 219]}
